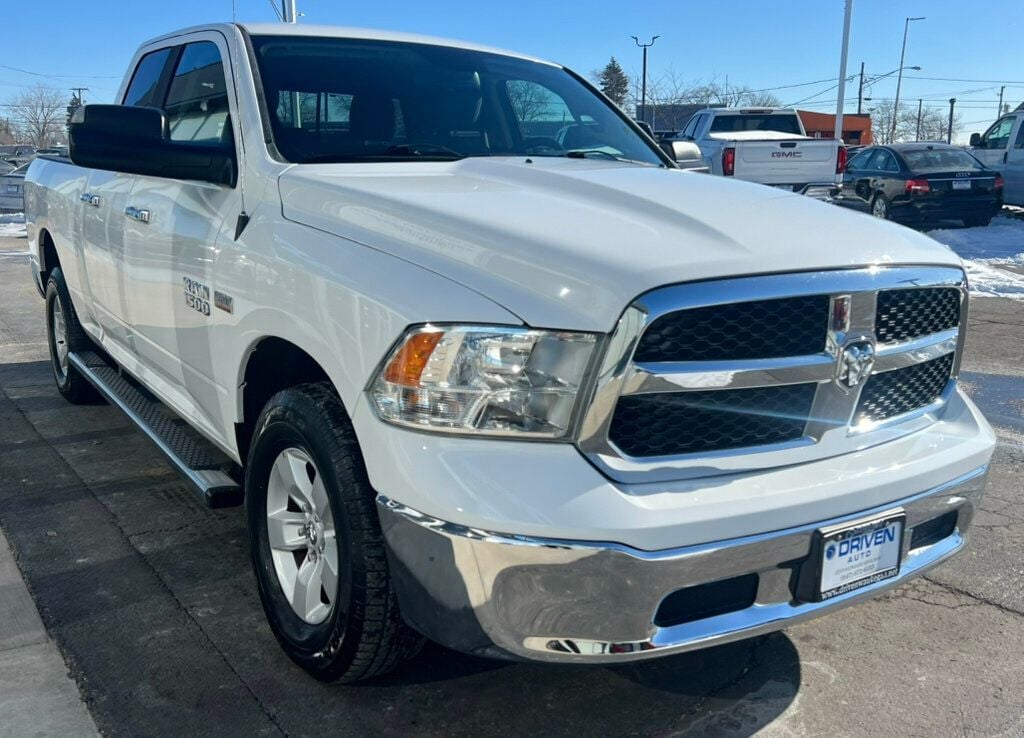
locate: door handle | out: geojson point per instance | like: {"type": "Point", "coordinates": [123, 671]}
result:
{"type": "Point", "coordinates": [136, 214]}
{"type": "Point", "coordinates": [90, 199]}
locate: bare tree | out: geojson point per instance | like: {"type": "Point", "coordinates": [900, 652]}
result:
{"type": "Point", "coordinates": [39, 113]}
{"type": "Point", "coordinates": [529, 100]}
{"type": "Point", "coordinates": [933, 124]}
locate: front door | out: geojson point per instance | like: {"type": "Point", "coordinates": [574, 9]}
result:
{"type": "Point", "coordinates": [171, 244]}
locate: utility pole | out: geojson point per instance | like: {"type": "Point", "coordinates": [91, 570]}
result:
{"type": "Point", "coordinates": [918, 136]}
{"type": "Point", "coordinates": [1001, 91]}
{"type": "Point", "coordinates": [291, 15]}
{"type": "Point", "coordinates": [78, 93]}
{"type": "Point", "coordinates": [899, 79]}
{"type": "Point", "coordinates": [949, 129]}
{"type": "Point", "coordinates": [643, 85]}
{"type": "Point", "coordinates": [860, 90]}
{"type": "Point", "coordinates": [841, 102]}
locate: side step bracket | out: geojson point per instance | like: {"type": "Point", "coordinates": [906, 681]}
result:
{"type": "Point", "coordinates": [197, 460]}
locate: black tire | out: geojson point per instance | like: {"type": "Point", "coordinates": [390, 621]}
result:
{"type": "Point", "coordinates": [364, 634]}
{"type": "Point", "coordinates": [70, 383]}
{"type": "Point", "coordinates": [880, 207]}
{"type": "Point", "coordinates": [977, 222]}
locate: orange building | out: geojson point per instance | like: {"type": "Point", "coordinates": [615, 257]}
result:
{"type": "Point", "coordinates": [856, 127]}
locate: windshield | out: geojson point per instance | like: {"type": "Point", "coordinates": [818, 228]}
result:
{"type": "Point", "coordinates": [343, 100]}
{"type": "Point", "coordinates": [750, 122]}
{"type": "Point", "coordinates": [940, 160]}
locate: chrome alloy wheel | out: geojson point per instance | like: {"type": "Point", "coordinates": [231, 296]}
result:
{"type": "Point", "coordinates": [60, 337]}
{"type": "Point", "coordinates": [301, 533]}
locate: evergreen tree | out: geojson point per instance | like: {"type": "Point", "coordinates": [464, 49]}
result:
{"type": "Point", "coordinates": [614, 83]}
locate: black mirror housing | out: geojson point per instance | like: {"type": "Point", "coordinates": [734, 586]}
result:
{"type": "Point", "coordinates": [975, 139]}
{"type": "Point", "coordinates": [134, 140]}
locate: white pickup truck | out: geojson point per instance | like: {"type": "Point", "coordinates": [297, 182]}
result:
{"type": "Point", "coordinates": [425, 309]}
{"type": "Point", "coordinates": [1001, 147]}
{"type": "Point", "coordinates": [768, 146]}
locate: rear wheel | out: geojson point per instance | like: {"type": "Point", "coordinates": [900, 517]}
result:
{"type": "Point", "coordinates": [880, 207]}
{"type": "Point", "coordinates": [977, 222]}
{"type": "Point", "coordinates": [65, 335]}
{"type": "Point", "coordinates": [317, 547]}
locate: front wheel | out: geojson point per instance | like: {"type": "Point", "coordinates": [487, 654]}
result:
{"type": "Point", "coordinates": [317, 548]}
{"type": "Point", "coordinates": [880, 207]}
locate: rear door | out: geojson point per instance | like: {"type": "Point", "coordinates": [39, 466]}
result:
{"type": "Point", "coordinates": [171, 246]}
{"type": "Point", "coordinates": [857, 177]}
{"type": "Point", "coordinates": [103, 201]}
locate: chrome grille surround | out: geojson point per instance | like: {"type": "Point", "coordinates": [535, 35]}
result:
{"type": "Point", "coordinates": [830, 428]}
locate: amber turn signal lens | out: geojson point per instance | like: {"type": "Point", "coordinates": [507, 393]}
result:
{"type": "Point", "coordinates": [410, 361]}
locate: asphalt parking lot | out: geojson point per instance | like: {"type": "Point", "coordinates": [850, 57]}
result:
{"type": "Point", "coordinates": [151, 600]}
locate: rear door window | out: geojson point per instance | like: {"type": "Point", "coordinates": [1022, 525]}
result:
{"type": "Point", "coordinates": [144, 89]}
{"type": "Point", "coordinates": [197, 99]}
{"type": "Point", "coordinates": [860, 161]}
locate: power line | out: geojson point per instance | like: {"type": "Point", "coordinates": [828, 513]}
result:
{"type": "Point", "coordinates": [1007, 82]}
{"type": "Point", "coordinates": [60, 76]}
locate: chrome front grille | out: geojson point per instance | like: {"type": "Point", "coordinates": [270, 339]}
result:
{"type": "Point", "coordinates": [735, 375]}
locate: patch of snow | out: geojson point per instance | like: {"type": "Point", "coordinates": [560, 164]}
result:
{"type": "Point", "coordinates": [987, 252]}
{"type": "Point", "coordinates": [13, 225]}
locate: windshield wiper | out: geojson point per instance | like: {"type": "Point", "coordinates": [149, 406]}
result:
{"type": "Point", "coordinates": [584, 153]}
{"type": "Point", "coordinates": [420, 149]}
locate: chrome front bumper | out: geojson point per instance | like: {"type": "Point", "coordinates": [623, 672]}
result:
{"type": "Point", "coordinates": [549, 600]}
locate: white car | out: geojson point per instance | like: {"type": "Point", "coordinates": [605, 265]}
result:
{"type": "Point", "coordinates": [526, 390]}
{"type": "Point", "coordinates": [766, 145]}
{"type": "Point", "coordinates": [1001, 147]}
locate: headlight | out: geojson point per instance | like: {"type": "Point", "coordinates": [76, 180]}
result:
{"type": "Point", "coordinates": [493, 381]}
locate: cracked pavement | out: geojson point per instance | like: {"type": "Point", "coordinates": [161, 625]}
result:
{"type": "Point", "coordinates": [151, 599]}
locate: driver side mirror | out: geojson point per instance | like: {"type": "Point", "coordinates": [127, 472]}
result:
{"type": "Point", "coordinates": [975, 140]}
{"type": "Point", "coordinates": [134, 140]}
{"type": "Point", "coordinates": [686, 155]}
{"type": "Point", "coordinates": [647, 127]}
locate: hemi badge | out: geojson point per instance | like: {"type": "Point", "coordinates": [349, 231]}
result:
{"type": "Point", "coordinates": [224, 302]}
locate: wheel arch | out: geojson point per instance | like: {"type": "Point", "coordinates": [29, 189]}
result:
{"type": "Point", "coordinates": [270, 365]}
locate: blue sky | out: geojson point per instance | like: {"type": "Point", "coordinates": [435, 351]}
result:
{"type": "Point", "coordinates": [758, 44]}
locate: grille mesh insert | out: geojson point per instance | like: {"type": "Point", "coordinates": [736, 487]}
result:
{"type": "Point", "coordinates": [904, 315]}
{"type": "Point", "coordinates": [687, 422]}
{"type": "Point", "coordinates": [763, 329]}
{"type": "Point", "coordinates": [902, 390]}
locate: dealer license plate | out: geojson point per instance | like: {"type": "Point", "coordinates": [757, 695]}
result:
{"type": "Point", "coordinates": [859, 554]}
{"type": "Point", "coordinates": [961, 184]}
{"type": "Point", "coordinates": [12, 189]}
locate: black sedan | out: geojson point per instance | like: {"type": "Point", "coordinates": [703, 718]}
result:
{"type": "Point", "coordinates": [921, 184]}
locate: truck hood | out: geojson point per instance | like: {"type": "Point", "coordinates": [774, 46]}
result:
{"type": "Point", "coordinates": [569, 243]}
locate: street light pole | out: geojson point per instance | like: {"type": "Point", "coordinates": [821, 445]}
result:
{"type": "Point", "coordinates": [291, 15]}
{"type": "Point", "coordinates": [841, 102]}
{"type": "Point", "coordinates": [1001, 91]}
{"type": "Point", "coordinates": [949, 129]}
{"type": "Point", "coordinates": [643, 84]}
{"type": "Point", "coordinates": [860, 90]}
{"type": "Point", "coordinates": [919, 104]}
{"type": "Point", "coordinates": [899, 79]}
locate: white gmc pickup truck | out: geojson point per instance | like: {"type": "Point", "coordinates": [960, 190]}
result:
{"type": "Point", "coordinates": [768, 146]}
{"type": "Point", "coordinates": [484, 366]}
